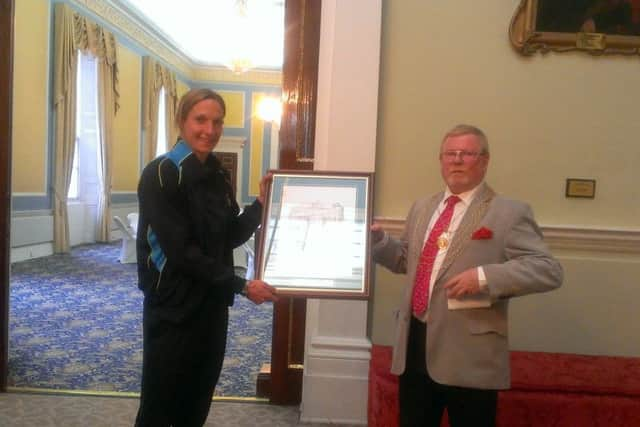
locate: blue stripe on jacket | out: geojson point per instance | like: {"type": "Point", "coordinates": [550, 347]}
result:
{"type": "Point", "coordinates": [157, 255]}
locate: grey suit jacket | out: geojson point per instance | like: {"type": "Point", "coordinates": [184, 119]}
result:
{"type": "Point", "coordinates": [469, 347]}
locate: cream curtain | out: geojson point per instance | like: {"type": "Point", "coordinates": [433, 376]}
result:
{"type": "Point", "coordinates": [74, 32]}
{"type": "Point", "coordinates": [65, 63]}
{"type": "Point", "coordinates": [107, 108]}
{"type": "Point", "coordinates": [170, 101]}
{"type": "Point", "coordinates": [155, 77]}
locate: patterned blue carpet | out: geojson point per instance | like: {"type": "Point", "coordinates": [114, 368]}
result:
{"type": "Point", "coordinates": [76, 324]}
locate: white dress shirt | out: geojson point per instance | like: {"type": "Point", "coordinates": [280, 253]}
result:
{"type": "Point", "coordinates": [458, 213]}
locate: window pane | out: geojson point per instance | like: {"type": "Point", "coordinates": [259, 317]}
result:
{"type": "Point", "coordinates": [73, 186]}
{"type": "Point", "coordinates": [161, 146]}
{"type": "Point", "coordinates": [72, 193]}
{"type": "Point", "coordinates": [84, 181]}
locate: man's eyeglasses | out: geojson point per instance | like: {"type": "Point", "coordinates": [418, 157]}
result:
{"type": "Point", "coordinates": [467, 156]}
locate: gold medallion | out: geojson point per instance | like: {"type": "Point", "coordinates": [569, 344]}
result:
{"type": "Point", "coordinates": [443, 240]}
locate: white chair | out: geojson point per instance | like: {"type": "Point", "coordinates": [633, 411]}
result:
{"type": "Point", "coordinates": [243, 260]}
{"type": "Point", "coordinates": [128, 250]}
{"type": "Point", "coordinates": [133, 222]}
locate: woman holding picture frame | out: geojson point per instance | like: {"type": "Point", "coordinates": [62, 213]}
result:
{"type": "Point", "coordinates": [189, 224]}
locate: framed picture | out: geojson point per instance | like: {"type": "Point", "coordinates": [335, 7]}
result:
{"type": "Point", "coordinates": [595, 26]}
{"type": "Point", "coordinates": [315, 234]}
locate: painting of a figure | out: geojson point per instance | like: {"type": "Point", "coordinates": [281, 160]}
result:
{"type": "Point", "coordinates": [617, 17]}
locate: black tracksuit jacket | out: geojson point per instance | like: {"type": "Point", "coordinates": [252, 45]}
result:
{"type": "Point", "coordinates": [189, 224]}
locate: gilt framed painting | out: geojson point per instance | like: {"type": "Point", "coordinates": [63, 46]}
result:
{"type": "Point", "coordinates": [594, 26]}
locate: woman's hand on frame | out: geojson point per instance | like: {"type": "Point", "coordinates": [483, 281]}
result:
{"type": "Point", "coordinates": [258, 292]}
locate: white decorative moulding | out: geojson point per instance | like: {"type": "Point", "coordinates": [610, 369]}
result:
{"type": "Point", "coordinates": [567, 238]}
{"type": "Point", "coordinates": [231, 143]}
{"type": "Point", "coordinates": [220, 73]}
{"type": "Point", "coordinates": [138, 30]}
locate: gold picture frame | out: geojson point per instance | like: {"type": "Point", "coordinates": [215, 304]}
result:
{"type": "Point", "coordinates": [531, 30]}
{"type": "Point", "coordinates": [582, 188]}
{"type": "Point", "coordinates": [315, 234]}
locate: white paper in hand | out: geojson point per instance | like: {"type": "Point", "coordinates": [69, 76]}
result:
{"type": "Point", "coordinates": [475, 301]}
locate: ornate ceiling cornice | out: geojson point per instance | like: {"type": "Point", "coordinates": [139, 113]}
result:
{"type": "Point", "coordinates": [118, 14]}
{"type": "Point", "coordinates": [140, 31]}
{"type": "Point", "coordinates": [217, 74]}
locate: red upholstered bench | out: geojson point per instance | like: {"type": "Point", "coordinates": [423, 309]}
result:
{"type": "Point", "coordinates": [547, 389]}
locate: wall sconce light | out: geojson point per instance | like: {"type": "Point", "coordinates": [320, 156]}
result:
{"type": "Point", "coordinates": [269, 109]}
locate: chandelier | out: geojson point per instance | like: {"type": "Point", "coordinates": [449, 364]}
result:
{"type": "Point", "coordinates": [240, 60]}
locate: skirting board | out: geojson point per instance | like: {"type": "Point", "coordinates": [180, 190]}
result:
{"type": "Point", "coordinates": [335, 399]}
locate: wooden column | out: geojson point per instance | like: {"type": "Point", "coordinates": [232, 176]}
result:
{"type": "Point", "coordinates": [299, 83]}
{"type": "Point", "coordinates": [6, 84]}
{"type": "Point", "coordinates": [297, 131]}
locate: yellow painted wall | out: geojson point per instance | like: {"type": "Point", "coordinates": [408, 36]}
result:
{"type": "Point", "coordinates": [234, 101]}
{"type": "Point", "coordinates": [257, 145]}
{"type": "Point", "coordinates": [548, 118]}
{"type": "Point", "coordinates": [126, 153]}
{"type": "Point", "coordinates": [590, 314]}
{"type": "Point", "coordinates": [32, 133]}
{"type": "Point", "coordinates": [30, 105]}
{"type": "Point", "coordinates": [30, 129]}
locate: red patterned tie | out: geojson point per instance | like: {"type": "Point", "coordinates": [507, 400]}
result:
{"type": "Point", "coordinates": [420, 298]}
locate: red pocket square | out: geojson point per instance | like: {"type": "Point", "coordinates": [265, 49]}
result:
{"type": "Point", "coordinates": [482, 233]}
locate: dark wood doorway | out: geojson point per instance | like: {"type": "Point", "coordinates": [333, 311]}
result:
{"type": "Point", "coordinates": [6, 105]}
{"type": "Point", "coordinates": [297, 132]}
{"type": "Point", "coordinates": [230, 163]}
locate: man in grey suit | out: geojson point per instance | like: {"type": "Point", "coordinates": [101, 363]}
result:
{"type": "Point", "coordinates": [466, 251]}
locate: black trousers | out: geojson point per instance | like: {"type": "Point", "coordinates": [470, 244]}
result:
{"type": "Point", "coordinates": [422, 400]}
{"type": "Point", "coordinates": [181, 364]}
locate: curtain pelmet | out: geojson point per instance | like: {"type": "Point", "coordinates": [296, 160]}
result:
{"type": "Point", "coordinates": [155, 77]}
{"type": "Point", "coordinates": [92, 38]}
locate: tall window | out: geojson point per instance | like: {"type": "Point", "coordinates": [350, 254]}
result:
{"type": "Point", "coordinates": [84, 178]}
{"type": "Point", "coordinates": [161, 146]}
